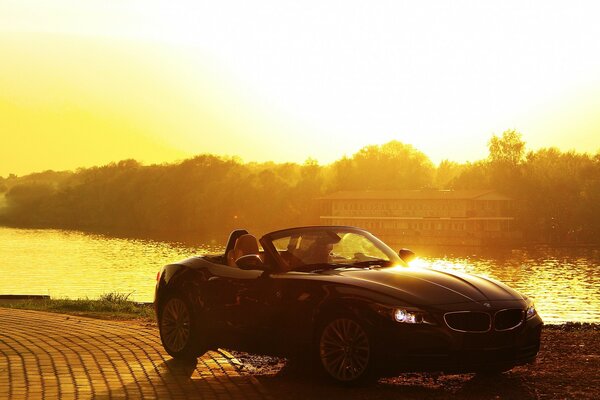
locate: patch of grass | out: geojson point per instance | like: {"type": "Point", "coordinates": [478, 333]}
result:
{"type": "Point", "coordinates": [114, 297]}
{"type": "Point", "coordinates": [108, 306]}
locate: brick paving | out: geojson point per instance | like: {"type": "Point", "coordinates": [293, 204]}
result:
{"type": "Point", "coordinates": [55, 356]}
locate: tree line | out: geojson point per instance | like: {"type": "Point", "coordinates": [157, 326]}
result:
{"type": "Point", "coordinates": [203, 198]}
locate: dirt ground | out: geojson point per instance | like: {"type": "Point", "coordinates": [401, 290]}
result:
{"type": "Point", "coordinates": [567, 367]}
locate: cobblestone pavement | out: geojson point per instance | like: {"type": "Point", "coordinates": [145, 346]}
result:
{"type": "Point", "coordinates": [55, 356]}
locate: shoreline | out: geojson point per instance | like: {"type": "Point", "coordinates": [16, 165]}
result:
{"type": "Point", "coordinates": [125, 309]}
{"type": "Point", "coordinates": [193, 239]}
{"type": "Point", "coordinates": [117, 306]}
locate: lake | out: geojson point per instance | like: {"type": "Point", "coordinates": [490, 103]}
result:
{"type": "Point", "coordinates": [565, 283]}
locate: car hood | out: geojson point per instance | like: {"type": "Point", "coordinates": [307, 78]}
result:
{"type": "Point", "coordinates": [427, 286]}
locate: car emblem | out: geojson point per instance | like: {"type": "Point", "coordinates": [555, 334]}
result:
{"type": "Point", "coordinates": [488, 305]}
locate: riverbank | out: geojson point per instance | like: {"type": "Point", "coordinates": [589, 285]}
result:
{"type": "Point", "coordinates": [109, 306]}
{"type": "Point", "coordinates": [177, 237]}
{"type": "Point", "coordinates": [218, 238]}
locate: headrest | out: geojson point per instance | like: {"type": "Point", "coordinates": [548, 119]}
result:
{"type": "Point", "coordinates": [246, 244]}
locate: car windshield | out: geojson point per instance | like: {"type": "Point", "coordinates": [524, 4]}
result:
{"type": "Point", "coordinates": [307, 249]}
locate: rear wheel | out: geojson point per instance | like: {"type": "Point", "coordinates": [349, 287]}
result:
{"type": "Point", "coordinates": [346, 351]}
{"type": "Point", "coordinates": [178, 329]}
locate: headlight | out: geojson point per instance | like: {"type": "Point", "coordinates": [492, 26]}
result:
{"type": "Point", "coordinates": [530, 312]}
{"type": "Point", "coordinates": [409, 317]}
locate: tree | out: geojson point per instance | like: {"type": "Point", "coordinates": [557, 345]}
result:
{"type": "Point", "coordinates": [508, 149]}
{"type": "Point", "coordinates": [391, 166]}
{"type": "Point", "coordinates": [505, 162]}
{"type": "Point", "coordinates": [447, 172]}
{"type": "Point", "coordinates": [28, 203]}
{"type": "Point", "coordinates": [473, 176]}
{"type": "Point", "coordinates": [560, 196]}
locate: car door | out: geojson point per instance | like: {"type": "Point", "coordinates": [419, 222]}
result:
{"type": "Point", "coordinates": [243, 306]}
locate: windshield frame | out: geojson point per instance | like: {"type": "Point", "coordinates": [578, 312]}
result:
{"type": "Point", "coordinates": [282, 266]}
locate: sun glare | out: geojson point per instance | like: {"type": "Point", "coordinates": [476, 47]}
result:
{"type": "Point", "coordinates": [419, 262]}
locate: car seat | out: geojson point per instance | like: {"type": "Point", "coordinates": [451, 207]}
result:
{"type": "Point", "coordinates": [244, 245]}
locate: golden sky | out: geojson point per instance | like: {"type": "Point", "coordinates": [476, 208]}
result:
{"type": "Point", "coordinates": [84, 83]}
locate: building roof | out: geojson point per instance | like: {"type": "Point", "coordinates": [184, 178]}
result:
{"type": "Point", "coordinates": [427, 194]}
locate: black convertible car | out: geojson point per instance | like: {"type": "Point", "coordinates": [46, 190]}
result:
{"type": "Point", "coordinates": [339, 296]}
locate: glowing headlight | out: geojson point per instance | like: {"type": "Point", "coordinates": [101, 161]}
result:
{"type": "Point", "coordinates": [530, 312]}
{"type": "Point", "coordinates": [407, 317]}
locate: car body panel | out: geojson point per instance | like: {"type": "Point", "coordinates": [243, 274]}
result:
{"type": "Point", "coordinates": [274, 312]}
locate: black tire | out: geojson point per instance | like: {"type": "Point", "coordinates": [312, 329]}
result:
{"type": "Point", "coordinates": [346, 350]}
{"type": "Point", "coordinates": [179, 329]}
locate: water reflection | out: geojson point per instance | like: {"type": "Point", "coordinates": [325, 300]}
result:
{"type": "Point", "coordinates": [73, 264]}
{"type": "Point", "coordinates": [564, 283]}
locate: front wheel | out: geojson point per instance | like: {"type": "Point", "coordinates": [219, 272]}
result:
{"type": "Point", "coordinates": [178, 331]}
{"type": "Point", "coordinates": [346, 350]}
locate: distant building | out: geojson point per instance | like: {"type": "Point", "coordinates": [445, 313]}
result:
{"type": "Point", "coordinates": [443, 217]}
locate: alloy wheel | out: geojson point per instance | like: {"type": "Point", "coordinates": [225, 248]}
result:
{"type": "Point", "coordinates": [175, 324]}
{"type": "Point", "coordinates": [344, 349]}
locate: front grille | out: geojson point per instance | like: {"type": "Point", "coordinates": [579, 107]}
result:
{"type": "Point", "coordinates": [508, 319]}
{"type": "Point", "coordinates": [468, 321]}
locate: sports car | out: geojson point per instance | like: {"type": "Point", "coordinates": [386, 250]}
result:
{"type": "Point", "coordinates": [339, 297]}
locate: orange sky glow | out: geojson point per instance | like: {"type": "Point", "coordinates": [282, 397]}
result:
{"type": "Point", "coordinates": [87, 83]}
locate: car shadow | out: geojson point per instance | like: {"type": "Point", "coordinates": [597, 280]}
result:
{"type": "Point", "coordinates": [180, 379]}
{"type": "Point", "coordinates": [294, 383]}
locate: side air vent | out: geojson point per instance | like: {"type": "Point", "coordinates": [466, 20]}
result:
{"type": "Point", "coordinates": [505, 320]}
{"type": "Point", "coordinates": [468, 321]}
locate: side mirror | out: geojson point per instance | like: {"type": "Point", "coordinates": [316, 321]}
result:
{"type": "Point", "coordinates": [251, 261]}
{"type": "Point", "coordinates": [407, 255]}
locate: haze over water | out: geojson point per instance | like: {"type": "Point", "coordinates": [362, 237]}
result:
{"type": "Point", "coordinates": [565, 283]}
